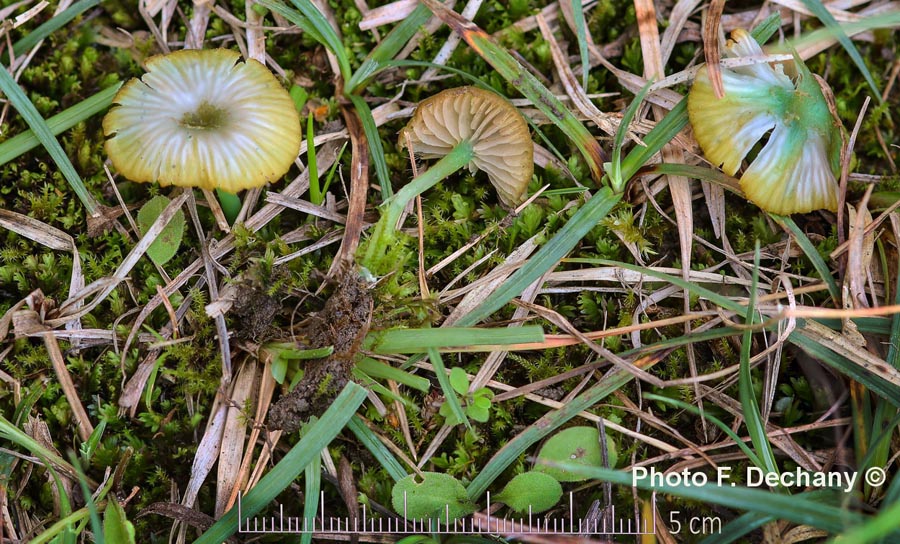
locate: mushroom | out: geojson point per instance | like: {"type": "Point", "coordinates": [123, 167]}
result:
{"type": "Point", "coordinates": [203, 119]}
{"type": "Point", "coordinates": [795, 170]}
{"type": "Point", "coordinates": [461, 126]}
{"type": "Point", "coordinates": [499, 135]}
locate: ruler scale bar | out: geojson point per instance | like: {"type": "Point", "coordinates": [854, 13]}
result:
{"type": "Point", "coordinates": [285, 524]}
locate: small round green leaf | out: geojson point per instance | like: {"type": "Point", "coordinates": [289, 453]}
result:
{"type": "Point", "coordinates": [575, 445]}
{"type": "Point", "coordinates": [430, 496]}
{"type": "Point", "coordinates": [536, 490]}
{"type": "Point", "coordinates": [478, 413]}
{"type": "Point", "coordinates": [166, 244]}
{"type": "Point", "coordinates": [459, 380]}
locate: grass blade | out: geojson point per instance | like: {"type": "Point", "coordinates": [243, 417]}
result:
{"type": "Point", "coordinates": [811, 253]}
{"type": "Point", "coordinates": [388, 48]}
{"type": "Point", "coordinates": [449, 393]}
{"type": "Point", "coordinates": [51, 26]}
{"type": "Point", "coordinates": [60, 528]}
{"type": "Point", "coordinates": [378, 369]}
{"type": "Point", "coordinates": [692, 171]}
{"type": "Point", "coordinates": [880, 526]}
{"type": "Point", "coordinates": [581, 36]}
{"type": "Point", "coordinates": [709, 417]}
{"type": "Point", "coordinates": [376, 150]}
{"type": "Point", "coordinates": [663, 133]}
{"type": "Point", "coordinates": [312, 476]}
{"type": "Point", "coordinates": [378, 450]}
{"type": "Point", "coordinates": [766, 28]}
{"type": "Point", "coordinates": [310, 20]}
{"type": "Point", "coordinates": [586, 218]}
{"type": "Point", "coordinates": [615, 168]}
{"type": "Point", "coordinates": [10, 434]}
{"type": "Point", "coordinates": [315, 439]}
{"type": "Point", "coordinates": [818, 341]}
{"type": "Point", "coordinates": [26, 109]}
{"type": "Point", "coordinates": [756, 427]}
{"type": "Point", "coordinates": [315, 192]}
{"type": "Point", "coordinates": [420, 340]}
{"type": "Point", "coordinates": [822, 13]}
{"type": "Point", "coordinates": [62, 121]}
{"type": "Point", "coordinates": [738, 528]}
{"type": "Point", "coordinates": [528, 85]}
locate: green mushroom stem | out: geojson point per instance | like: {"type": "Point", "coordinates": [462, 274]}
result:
{"type": "Point", "coordinates": [385, 233]}
{"type": "Point", "coordinates": [464, 126]}
{"type": "Point", "coordinates": [231, 205]}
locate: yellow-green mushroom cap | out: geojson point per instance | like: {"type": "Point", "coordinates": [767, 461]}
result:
{"type": "Point", "coordinates": [794, 172]}
{"type": "Point", "coordinates": [498, 133]}
{"type": "Point", "coordinates": [203, 119]}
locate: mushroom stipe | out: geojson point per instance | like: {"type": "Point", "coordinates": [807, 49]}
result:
{"type": "Point", "coordinates": [464, 126]}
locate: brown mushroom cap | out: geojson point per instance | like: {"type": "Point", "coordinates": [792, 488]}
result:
{"type": "Point", "coordinates": [203, 119]}
{"type": "Point", "coordinates": [496, 129]}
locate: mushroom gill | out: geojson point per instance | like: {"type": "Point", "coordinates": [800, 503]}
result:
{"type": "Point", "coordinates": [204, 119]}
{"type": "Point", "coordinates": [500, 139]}
{"type": "Point", "coordinates": [795, 170]}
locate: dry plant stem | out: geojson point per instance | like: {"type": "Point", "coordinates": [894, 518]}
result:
{"type": "Point", "coordinates": [424, 292]}
{"type": "Point", "coordinates": [197, 28]}
{"type": "Point", "coordinates": [469, 12]}
{"type": "Point", "coordinates": [423, 280]}
{"type": "Point", "coordinates": [264, 397]}
{"type": "Point", "coordinates": [557, 404]}
{"type": "Point", "coordinates": [221, 329]}
{"type": "Point", "coordinates": [216, 210]}
{"type": "Point", "coordinates": [256, 39]}
{"type": "Point", "coordinates": [679, 186]}
{"type": "Point", "coordinates": [402, 420]}
{"type": "Point", "coordinates": [855, 238]}
{"type": "Point", "coordinates": [65, 381]}
{"type": "Point", "coordinates": [570, 83]}
{"type": "Point", "coordinates": [206, 456]}
{"type": "Point", "coordinates": [232, 449]}
{"type": "Point", "coordinates": [711, 45]}
{"type": "Point", "coordinates": [72, 309]}
{"type": "Point", "coordinates": [496, 358]}
{"type": "Point", "coordinates": [359, 185]}
{"type": "Point", "coordinates": [728, 443]}
{"type": "Point", "coordinates": [306, 207]}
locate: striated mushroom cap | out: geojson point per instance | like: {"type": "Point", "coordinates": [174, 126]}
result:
{"type": "Point", "coordinates": [498, 132]}
{"type": "Point", "coordinates": [795, 170]}
{"type": "Point", "coordinates": [204, 119]}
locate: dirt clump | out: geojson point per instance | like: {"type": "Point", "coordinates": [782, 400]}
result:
{"type": "Point", "coordinates": [342, 323]}
{"type": "Point", "coordinates": [255, 310]}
